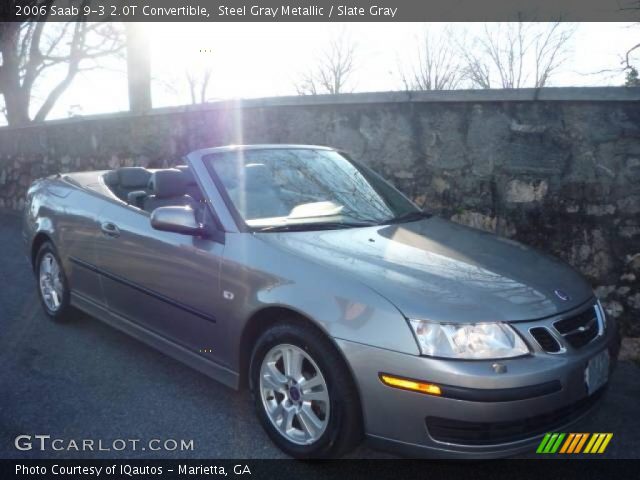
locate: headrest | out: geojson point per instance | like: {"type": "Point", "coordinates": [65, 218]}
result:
{"type": "Point", "coordinates": [257, 177]}
{"type": "Point", "coordinates": [111, 178]}
{"type": "Point", "coordinates": [133, 177]}
{"type": "Point", "coordinates": [168, 183]}
{"type": "Point", "coordinates": [188, 174]}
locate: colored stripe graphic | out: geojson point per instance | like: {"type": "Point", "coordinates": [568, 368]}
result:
{"type": "Point", "coordinates": [606, 441]}
{"type": "Point", "coordinates": [592, 441]}
{"type": "Point", "coordinates": [555, 447]}
{"type": "Point", "coordinates": [552, 440]}
{"type": "Point", "coordinates": [576, 442]}
{"type": "Point", "coordinates": [572, 443]}
{"type": "Point", "coordinates": [581, 443]}
{"type": "Point", "coordinates": [598, 443]}
{"type": "Point", "coordinates": [568, 442]}
{"type": "Point", "coordinates": [543, 443]}
{"type": "Point", "coordinates": [550, 443]}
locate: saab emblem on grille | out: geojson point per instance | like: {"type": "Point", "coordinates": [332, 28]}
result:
{"type": "Point", "coordinates": [561, 295]}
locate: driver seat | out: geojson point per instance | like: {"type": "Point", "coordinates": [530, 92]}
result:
{"type": "Point", "coordinates": [168, 189]}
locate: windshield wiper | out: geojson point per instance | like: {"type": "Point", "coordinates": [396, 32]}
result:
{"type": "Point", "coordinates": [301, 227]}
{"type": "Point", "coordinates": [407, 217]}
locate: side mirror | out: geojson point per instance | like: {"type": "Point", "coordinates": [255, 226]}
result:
{"type": "Point", "coordinates": [177, 220]}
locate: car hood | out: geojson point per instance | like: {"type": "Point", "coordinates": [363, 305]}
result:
{"type": "Point", "coordinates": [438, 270]}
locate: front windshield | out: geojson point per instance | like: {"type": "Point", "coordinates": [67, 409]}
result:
{"type": "Point", "coordinates": [271, 188]}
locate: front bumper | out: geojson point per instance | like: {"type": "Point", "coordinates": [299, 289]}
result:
{"type": "Point", "coordinates": [399, 420]}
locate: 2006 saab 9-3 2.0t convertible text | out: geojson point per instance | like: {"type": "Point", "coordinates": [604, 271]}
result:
{"type": "Point", "coordinates": [346, 309]}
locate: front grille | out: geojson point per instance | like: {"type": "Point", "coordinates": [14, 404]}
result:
{"type": "Point", "coordinates": [485, 433]}
{"type": "Point", "coordinates": [579, 329]}
{"type": "Point", "coordinates": [545, 339]}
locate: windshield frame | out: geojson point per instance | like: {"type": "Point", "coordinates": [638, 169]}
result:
{"type": "Point", "coordinates": [243, 226]}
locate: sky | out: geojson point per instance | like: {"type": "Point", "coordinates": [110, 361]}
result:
{"type": "Point", "coordinates": [250, 60]}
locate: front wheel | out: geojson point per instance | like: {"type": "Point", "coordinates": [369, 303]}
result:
{"type": "Point", "coordinates": [303, 393]}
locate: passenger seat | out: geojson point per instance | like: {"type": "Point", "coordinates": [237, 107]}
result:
{"type": "Point", "coordinates": [127, 179]}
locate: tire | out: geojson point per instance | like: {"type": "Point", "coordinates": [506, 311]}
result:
{"type": "Point", "coordinates": [334, 399]}
{"type": "Point", "coordinates": [53, 291]}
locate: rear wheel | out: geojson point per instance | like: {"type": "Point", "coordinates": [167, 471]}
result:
{"type": "Point", "coordinates": [303, 393]}
{"type": "Point", "coordinates": [53, 287]}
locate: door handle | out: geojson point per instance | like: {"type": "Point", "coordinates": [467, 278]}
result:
{"type": "Point", "coordinates": [110, 229]}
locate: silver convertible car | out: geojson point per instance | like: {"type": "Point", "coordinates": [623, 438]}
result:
{"type": "Point", "coordinates": [347, 310]}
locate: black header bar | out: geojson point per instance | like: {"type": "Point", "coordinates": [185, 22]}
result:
{"type": "Point", "coordinates": [319, 10]}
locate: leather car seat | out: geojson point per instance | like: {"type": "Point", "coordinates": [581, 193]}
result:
{"type": "Point", "coordinates": [168, 188]}
{"type": "Point", "coordinates": [126, 179]}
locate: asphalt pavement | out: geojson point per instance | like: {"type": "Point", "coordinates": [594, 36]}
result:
{"type": "Point", "coordinates": [85, 380]}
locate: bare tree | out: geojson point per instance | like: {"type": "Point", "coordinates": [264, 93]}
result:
{"type": "Point", "coordinates": [627, 60]}
{"type": "Point", "coordinates": [193, 83]}
{"type": "Point", "coordinates": [198, 83]}
{"type": "Point", "coordinates": [333, 71]}
{"type": "Point", "coordinates": [516, 54]}
{"type": "Point", "coordinates": [631, 72]}
{"type": "Point", "coordinates": [31, 50]}
{"type": "Point", "coordinates": [438, 64]}
{"type": "Point", "coordinates": [632, 78]}
{"type": "Point", "coordinates": [190, 80]}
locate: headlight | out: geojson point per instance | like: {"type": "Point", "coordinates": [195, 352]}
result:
{"type": "Point", "coordinates": [468, 341]}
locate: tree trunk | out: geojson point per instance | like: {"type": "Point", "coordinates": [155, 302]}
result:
{"type": "Point", "coordinates": [17, 107]}
{"type": "Point", "coordinates": [16, 102]}
{"type": "Point", "coordinates": [138, 69]}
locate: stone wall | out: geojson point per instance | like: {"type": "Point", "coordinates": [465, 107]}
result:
{"type": "Point", "coordinates": [558, 169]}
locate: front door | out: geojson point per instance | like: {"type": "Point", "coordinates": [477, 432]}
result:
{"type": "Point", "coordinates": [165, 282]}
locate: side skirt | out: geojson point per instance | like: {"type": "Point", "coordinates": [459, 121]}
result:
{"type": "Point", "coordinates": [166, 346]}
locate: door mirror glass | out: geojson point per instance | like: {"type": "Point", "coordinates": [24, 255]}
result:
{"type": "Point", "coordinates": [177, 220]}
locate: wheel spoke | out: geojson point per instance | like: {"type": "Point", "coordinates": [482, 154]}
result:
{"type": "Point", "coordinates": [276, 374]}
{"type": "Point", "coordinates": [310, 383]}
{"type": "Point", "coordinates": [45, 266]}
{"type": "Point", "coordinates": [287, 420]}
{"type": "Point", "coordinates": [317, 396]}
{"type": "Point", "coordinates": [54, 299]}
{"type": "Point", "coordinates": [271, 381]}
{"type": "Point", "coordinates": [277, 411]}
{"type": "Point", "coordinates": [292, 359]}
{"type": "Point", "coordinates": [49, 301]}
{"type": "Point", "coordinates": [310, 421]}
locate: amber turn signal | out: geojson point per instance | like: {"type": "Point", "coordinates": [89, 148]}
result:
{"type": "Point", "coordinates": [413, 385]}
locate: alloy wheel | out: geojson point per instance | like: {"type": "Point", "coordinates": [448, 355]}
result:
{"type": "Point", "coordinates": [294, 394]}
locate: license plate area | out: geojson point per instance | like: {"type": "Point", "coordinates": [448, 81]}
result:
{"type": "Point", "coordinates": [596, 374]}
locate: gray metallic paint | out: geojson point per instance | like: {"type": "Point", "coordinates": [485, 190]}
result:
{"type": "Point", "coordinates": [357, 285]}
